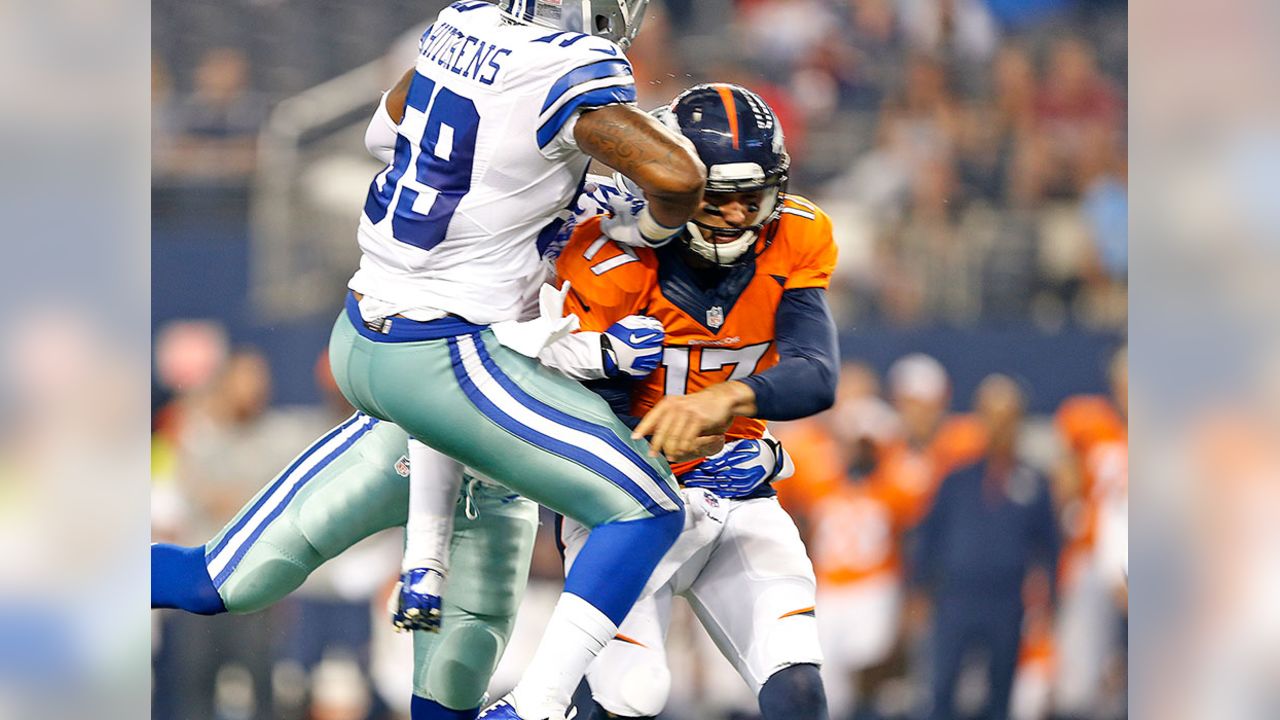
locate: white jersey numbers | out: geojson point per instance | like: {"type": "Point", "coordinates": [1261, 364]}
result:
{"type": "Point", "coordinates": [442, 160]}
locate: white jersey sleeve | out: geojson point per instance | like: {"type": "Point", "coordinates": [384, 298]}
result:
{"type": "Point", "coordinates": [595, 76]}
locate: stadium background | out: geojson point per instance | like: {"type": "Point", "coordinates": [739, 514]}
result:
{"type": "Point", "coordinates": [972, 154]}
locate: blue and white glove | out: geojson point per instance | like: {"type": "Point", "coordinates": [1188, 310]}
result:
{"type": "Point", "coordinates": [418, 600]}
{"type": "Point", "coordinates": [629, 221]}
{"type": "Point", "coordinates": [740, 468]}
{"type": "Point", "coordinates": [632, 346]}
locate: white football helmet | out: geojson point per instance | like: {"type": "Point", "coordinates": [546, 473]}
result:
{"type": "Point", "coordinates": [616, 20]}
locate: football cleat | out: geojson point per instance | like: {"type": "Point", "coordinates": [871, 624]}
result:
{"type": "Point", "coordinates": [504, 709]}
{"type": "Point", "coordinates": [418, 605]}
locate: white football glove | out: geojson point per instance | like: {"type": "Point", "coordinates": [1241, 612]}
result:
{"type": "Point", "coordinates": [629, 221]}
{"type": "Point", "coordinates": [530, 337]}
{"type": "Point", "coordinates": [632, 346]}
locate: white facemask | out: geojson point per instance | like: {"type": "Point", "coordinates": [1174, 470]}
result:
{"type": "Point", "coordinates": [721, 253]}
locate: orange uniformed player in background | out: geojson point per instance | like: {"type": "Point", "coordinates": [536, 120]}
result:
{"type": "Point", "coordinates": [741, 296]}
{"type": "Point", "coordinates": [1092, 480]}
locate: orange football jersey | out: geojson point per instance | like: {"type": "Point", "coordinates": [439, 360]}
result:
{"type": "Point", "coordinates": [857, 532]}
{"type": "Point", "coordinates": [712, 335]}
{"type": "Point", "coordinates": [916, 473]}
{"type": "Point", "coordinates": [1097, 436]}
{"type": "Point", "coordinates": [819, 466]}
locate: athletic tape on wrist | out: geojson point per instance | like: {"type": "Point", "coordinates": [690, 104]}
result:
{"type": "Point", "coordinates": [654, 231]}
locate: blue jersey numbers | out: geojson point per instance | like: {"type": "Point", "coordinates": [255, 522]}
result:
{"type": "Point", "coordinates": [442, 174]}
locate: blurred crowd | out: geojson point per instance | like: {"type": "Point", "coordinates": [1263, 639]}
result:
{"type": "Point", "coordinates": [966, 560]}
{"type": "Point", "coordinates": [972, 154]}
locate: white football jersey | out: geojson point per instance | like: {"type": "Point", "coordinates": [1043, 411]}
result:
{"type": "Point", "coordinates": [484, 165]}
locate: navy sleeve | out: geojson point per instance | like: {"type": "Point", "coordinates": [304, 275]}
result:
{"type": "Point", "coordinates": [804, 380]}
{"type": "Point", "coordinates": [1047, 543]}
{"type": "Point", "coordinates": [926, 539]}
{"type": "Point", "coordinates": [616, 392]}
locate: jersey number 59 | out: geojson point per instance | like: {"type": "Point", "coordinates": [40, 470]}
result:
{"type": "Point", "coordinates": [446, 124]}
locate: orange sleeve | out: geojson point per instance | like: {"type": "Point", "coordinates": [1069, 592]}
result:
{"type": "Point", "coordinates": [607, 282]}
{"type": "Point", "coordinates": [1077, 420]}
{"type": "Point", "coordinates": [813, 247]}
{"type": "Point", "coordinates": [960, 441]}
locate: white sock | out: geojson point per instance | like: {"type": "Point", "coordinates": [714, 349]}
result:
{"type": "Point", "coordinates": [576, 633]}
{"type": "Point", "coordinates": [434, 480]}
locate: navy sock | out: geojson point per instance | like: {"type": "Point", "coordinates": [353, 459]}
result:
{"type": "Point", "coordinates": [794, 693]}
{"type": "Point", "coordinates": [617, 560]}
{"type": "Point", "coordinates": [424, 709]}
{"type": "Point", "coordinates": [179, 579]}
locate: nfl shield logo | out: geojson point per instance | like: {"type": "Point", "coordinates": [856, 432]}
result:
{"type": "Point", "coordinates": [402, 466]}
{"type": "Point", "coordinates": [715, 317]}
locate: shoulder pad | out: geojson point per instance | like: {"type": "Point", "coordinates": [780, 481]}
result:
{"type": "Point", "coordinates": [617, 270]}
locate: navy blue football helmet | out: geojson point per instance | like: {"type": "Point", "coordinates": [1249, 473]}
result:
{"type": "Point", "coordinates": [739, 139]}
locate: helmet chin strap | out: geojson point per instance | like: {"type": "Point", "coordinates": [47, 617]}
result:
{"type": "Point", "coordinates": [719, 253]}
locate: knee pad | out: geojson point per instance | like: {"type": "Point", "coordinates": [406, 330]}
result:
{"type": "Point", "coordinates": [455, 671]}
{"type": "Point", "coordinates": [264, 578]}
{"type": "Point", "coordinates": [633, 690]}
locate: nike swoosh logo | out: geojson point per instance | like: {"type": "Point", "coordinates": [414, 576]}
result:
{"type": "Point", "coordinates": [637, 339]}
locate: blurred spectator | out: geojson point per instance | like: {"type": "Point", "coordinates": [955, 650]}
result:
{"type": "Point", "coordinates": [162, 116]}
{"type": "Point", "coordinates": [854, 545]}
{"type": "Point", "coordinates": [957, 31]}
{"type": "Point", "coordinates": [933, 442]}
{"type": "Point", "coordinates": [1105, 203]}
{"type": "Point", "coordinates": [990, 524]}
{"type": "Point", "coordinates": [1092, 478]}
{"type": "Point", "coordinates": [778, 34]}
{"type": "Point", "coordinates": [1075, 100]}
{"type": "Point", "coordinates": [219, 444]}
{"type": "Point", "coordinates": [216, 125]}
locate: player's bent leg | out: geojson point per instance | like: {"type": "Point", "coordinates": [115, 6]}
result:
{"type": "Point", "coordinates": [452, 386]}
{"type": "Point", "coordinates": [507, 416]}
{"type": "Point", "coordinates": [630, 677]}
{"type": "Point", "coordinates": [756, 598]}
{"type": "Point", "coordinates": [342, 489]}
{"type": "Point", "coordinates": [490, 553]}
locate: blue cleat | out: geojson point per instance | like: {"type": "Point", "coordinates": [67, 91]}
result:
{"type": "Point", "coordinates": [501, 710]}
{"type": "Point", "coordinates": [418, 600]}
{"type": "Point", "coordinates": [505, 710]}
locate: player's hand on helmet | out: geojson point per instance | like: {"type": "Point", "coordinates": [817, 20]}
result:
{"type": "Point", "coordinates": [740, 469]}
{"type": "Point", "coordinates": [417, 599]}
{"type": "Point", "coordinates": [677, 423]}
{"type": "Point", "coordinates": [629, 221]}
{"type": "Point", "coordinates": [632, 346]}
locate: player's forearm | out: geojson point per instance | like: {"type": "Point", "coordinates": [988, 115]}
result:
{"type": "Point", "coordinates": [577, 355]}
{"type": "Point", "coordinates": [662, 163]}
